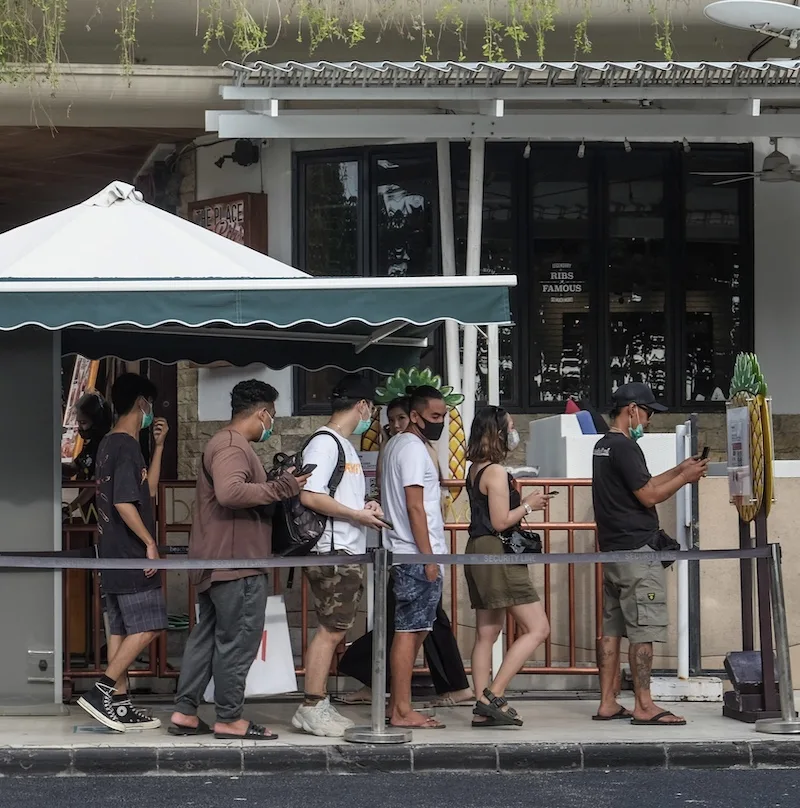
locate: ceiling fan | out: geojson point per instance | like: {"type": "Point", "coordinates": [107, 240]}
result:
{"type": "Point", "coordinates": [776, 168]}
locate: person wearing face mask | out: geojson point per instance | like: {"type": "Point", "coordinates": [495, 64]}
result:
{"type": "Point", "coordinates": [231, 521]}
{"type": "Point", "coordinates": [336, 590]}
{"type": "Point", "coordinates": [494, 591]}
{"type": "Point", "coordinates": [625, 496]}
{"type": "Point", "coordinates": [412, 497]}
{"type": "Point", "coordinates": [94, 419]}
{"type": "Point", "coordinates": [134, 599]}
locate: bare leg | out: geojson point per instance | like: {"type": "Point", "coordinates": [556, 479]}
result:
{"type": "Point", "coordinates": [489, 624]}
{"type": "Point", "coordinates": [535, 628]}
{"type": "Point", "coordinates": [114, 643]}
{"type": "Point", "coordinates": [608, 664]}
{"type": "Point", "coordinates": [405, 649]}
{"type": "Point", "coordinates": [318, 661]}
{"type": "Point", "coordinates": [129, 649]}
{"type": "Point", "coordinates": [641, 659]}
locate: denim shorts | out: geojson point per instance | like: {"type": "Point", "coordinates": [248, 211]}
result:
{"type": "Point", "coordinates": [417, 598]}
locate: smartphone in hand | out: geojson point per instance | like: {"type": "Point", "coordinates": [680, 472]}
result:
{"type": "Point", "coordinates": [704, 455]}
{"type": "Point", "coordinates": [305, 471]}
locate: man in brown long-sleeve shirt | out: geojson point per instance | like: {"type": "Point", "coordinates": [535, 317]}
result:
{"type": "Point", "coordinates": [229, 522]}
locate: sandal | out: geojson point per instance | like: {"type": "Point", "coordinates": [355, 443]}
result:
{"type": "Point", "coordinates": [185, 732]}
{"type": "Point", "coordinates": [494, 710]}
{"type": "Point", "coordinates": [656, 721]}
{"type": "Point", "coordinates": [429, 723]}
{"type": "Point", "coordinates": [621, 714]}
{"type": "Point", "coordinates": [254, 732]}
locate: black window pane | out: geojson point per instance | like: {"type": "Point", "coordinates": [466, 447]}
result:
{"type": "Point", "coordinates": [559, 317]}
{"type": "Point", "coordinates": [330, 243]}
{"type": "Point", "coordinates": [637, 269]}
{"type": "Point", "coordinates": [405, 195]}
{"type": "Point", "coordinates": [497, 249]}
{"type": "Point", "coordinates": [715, 262]}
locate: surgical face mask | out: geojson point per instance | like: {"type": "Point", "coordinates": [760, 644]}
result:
{"type": "Point", "coordinates": [513, 440]}
{"type": "Point", "coordinates": [266, 434]}
{"type": "Point", "coordinates": [431, 431]}
{"type": "Point", "coordinates": [636, 432]}
{"type": "Point", "coordinates": [147, 418]}
{"type": "Point", "coordinates": [363, 425]}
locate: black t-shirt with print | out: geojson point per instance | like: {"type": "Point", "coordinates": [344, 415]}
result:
{"type": "Point", "coordinates": [619, 469]}
{"type": "Point", "coordinates": [122, 478]}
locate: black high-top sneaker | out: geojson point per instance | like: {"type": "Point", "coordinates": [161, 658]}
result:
{"type": "Point", "coordinates": [98, 703]}
{"type": "Point", "coordinates": [130, 716]}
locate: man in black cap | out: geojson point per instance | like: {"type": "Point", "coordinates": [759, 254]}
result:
{"type": "Point", "coordinates": [625, 496]}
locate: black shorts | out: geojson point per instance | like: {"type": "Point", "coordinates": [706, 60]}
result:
{"type": "Point", "coordinates": [137, 612]}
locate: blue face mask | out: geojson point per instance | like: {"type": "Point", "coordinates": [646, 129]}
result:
{"type": "Point", "coordinates": [362, 426]}
{"type": "Point", "coordinates": [636, 432]}
{"type": "Point", "coordinates": [266, 434]}
{"type": "Point", "coordinates": [147, 418]}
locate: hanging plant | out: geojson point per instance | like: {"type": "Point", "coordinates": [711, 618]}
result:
{"type": "Point", "coordinates": [449, 17]}
{"type": "Point", "coordinates": [128, 11]}
{"type": "Point", "coordinates": [581, 36]}
{"type": "Point", "coordinates": [30, 35]}
{"type": "Point", "coordinates": [662, 22]}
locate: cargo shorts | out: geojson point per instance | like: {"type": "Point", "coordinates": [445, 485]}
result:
{"type": "Point", "coordinates": [337, 592]}
{"type": "Point", "coordinates": [635, 600]}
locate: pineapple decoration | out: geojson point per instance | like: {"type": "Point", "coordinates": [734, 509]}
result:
{"type": "Point", "coordinates": [749, 389]}
{"type": "Point", "coordinates": [457, 440]}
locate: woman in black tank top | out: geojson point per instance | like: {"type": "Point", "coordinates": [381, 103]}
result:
{"type": "Point", "coordinates": [495, 590]}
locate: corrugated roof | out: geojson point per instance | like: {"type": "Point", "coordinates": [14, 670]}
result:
{"type": "Point", "coordinates": [770, 73]}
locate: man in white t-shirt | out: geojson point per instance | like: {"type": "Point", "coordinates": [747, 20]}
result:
{"type": "Point", "coordinates": [337, 589]}
{"type": "Point", "coordinates": [412, 498]}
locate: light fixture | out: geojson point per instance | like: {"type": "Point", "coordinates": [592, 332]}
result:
{"type": "Point", "coordinates": [526, 152]}
{"type": "Point", "coordinates": [245, 153]}
{"type": "Point", "coordinates": [686, 147]}
{"type": "Point", "coordinates": [627, 145]}
{"type": "Point", "coordinates": [581, 150]}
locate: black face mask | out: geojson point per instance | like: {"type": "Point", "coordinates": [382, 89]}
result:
{"type": "Point", "coordinates": [431, 431]}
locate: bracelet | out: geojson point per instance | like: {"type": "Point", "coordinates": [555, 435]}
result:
{"type": "Point", "coordinates": [528, 509]}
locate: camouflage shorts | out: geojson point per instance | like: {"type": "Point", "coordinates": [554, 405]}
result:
{"type": "Point", "coordinates": [337, 593]}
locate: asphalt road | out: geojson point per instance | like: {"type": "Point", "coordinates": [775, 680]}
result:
{"type": "Point", "coordinates": [641, 789]}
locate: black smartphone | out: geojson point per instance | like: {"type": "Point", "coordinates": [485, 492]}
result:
{"type": "Point", "coordinates": [704, 455]}
{"type": "Point", "coordinates": [306, 470]}
{"type": "Point", "coordinates": [552, 493]}
{"type": "Point", "coordinates": [386, 522]}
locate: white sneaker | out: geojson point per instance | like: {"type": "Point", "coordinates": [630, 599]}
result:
{"type": "Point", "coordinates": [319, 719]}
{"type": "Point", "coordinates": [338, 717]}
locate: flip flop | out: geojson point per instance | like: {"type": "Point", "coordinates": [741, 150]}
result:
{"type": "Point", "coordinates": [253, 733]}
{"type": "Point", "coordinates": [430, 723]}
{"type": "Point", "coordinates": [656, 721]}
{"type": "Point", "coordinates": [618, 716]}
{"type": "Point", "coordinates": [448, 701]}
{"type": "Point", "coordinates": [349, 699]}
{"type": "Point", "coordinates": [186, 732]}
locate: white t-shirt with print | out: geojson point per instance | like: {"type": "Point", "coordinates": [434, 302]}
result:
{"type": "Point", "coordinates": [347, 537]}
{"type": "Point", "coordinates": [407, 462]}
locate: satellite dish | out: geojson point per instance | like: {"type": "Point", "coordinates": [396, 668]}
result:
{"type": "Point", "coordinates": [767, 17]}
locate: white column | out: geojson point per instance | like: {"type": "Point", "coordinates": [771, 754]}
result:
{"type": "Point", "coordinates": [683, 512]}
{"type": "Point", "coordinates": [448, 241]}
{"type": "Point", "coordinates": [474, 227]}
{"type": "Point", "coordinates": [493, 358]}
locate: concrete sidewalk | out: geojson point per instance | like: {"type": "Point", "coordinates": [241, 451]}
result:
{"type": "Point", "coordinates": [558, 735]}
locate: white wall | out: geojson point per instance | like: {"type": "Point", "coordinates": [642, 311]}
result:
{"type": "Point", "coordinates": [272, 176]}
{"type": "Point", "coordinates": [777, 279]}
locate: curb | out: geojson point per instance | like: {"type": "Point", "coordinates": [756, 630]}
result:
{"type": "Point", "coordinates": [354, 759]}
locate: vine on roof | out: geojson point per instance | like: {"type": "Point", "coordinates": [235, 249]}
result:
{"type": "Point", "coordinates": [31, 31]}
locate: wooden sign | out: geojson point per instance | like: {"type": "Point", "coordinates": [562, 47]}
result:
{"type": "Point", "coordinates": [240, 217]}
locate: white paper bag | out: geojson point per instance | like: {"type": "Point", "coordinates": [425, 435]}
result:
{"type": "Point", "coordinates": [272, 671]}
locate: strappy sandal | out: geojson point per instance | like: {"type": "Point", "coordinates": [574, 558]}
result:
{"type": "Point", "coordinates": [494, 713]}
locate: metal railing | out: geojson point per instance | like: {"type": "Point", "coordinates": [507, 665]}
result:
{"type": "Point", "coordinates": [173, 517]}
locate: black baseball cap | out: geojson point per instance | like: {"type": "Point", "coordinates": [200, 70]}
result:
{"type": "Point", "coordinates": [637, 393]}
{"type": "Point", "coordinates": [354, 387]}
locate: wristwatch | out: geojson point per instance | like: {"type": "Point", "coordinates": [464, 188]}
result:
{"type": "Point", "coordinates": [528, 509]}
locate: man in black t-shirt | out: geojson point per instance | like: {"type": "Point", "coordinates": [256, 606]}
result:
{"type": "Point", "coordinates": [625, 496]}
{"type": "Point", "coordinates": [135, 605]}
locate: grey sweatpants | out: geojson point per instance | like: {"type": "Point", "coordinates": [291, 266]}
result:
{"type": "Point", "coordinates": [224, 644]}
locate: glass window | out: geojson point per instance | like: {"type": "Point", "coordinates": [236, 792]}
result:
{"type": "Point", "coordinates": [498, 249]}
{"type": "Point", "coordinates": [330, 244]}
{"type": "Point", "coordinates": [404, 198]}
{"type": "Point", "coordinates": [560, 322]}
{"type": "Point", "coordinates": [715, 261]}
{"type": "Point", "coordinates": [637, 278]}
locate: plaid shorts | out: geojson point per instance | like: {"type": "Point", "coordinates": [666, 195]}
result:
{"type": "Point", "coordinates": [337, 592]}
{"type": "Point", "coordinates": [137, 612]}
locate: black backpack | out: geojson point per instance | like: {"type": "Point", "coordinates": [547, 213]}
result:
{"type": "Point", "coordinates": [296, 530]}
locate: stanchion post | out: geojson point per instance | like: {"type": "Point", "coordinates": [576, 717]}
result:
{"type": "Point", "coordinates": [788, 723]}
{"type": "Point", "coordinates": [378, 732]}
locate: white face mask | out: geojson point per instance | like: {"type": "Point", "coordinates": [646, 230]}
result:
{"type": "Point", "coordinates": [513, 440]}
